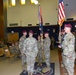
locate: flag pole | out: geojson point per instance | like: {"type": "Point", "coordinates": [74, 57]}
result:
{"type": "Point", "coordinates": [61, 17]}
{"type": "Point", "coordinates": [40, 28]}
{"type": "Point", "coordinates": [60, 34]}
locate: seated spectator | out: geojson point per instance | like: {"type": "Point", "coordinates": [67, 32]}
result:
{"type": "Point", "coordinates": [17, 48]}
{"type": "Point", "coordinates": [2, 45]}
{"type": "Point", "coordinates": [14, 48]}
{"type": "Point", "coordinates": [8, 43]}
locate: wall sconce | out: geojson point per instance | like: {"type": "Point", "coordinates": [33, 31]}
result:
{"type": "Point", "coordinates": [13, 2]}
{"type": "Point", "coordinates": [22, 2]}
{"type": "Point", "coordinates": [35, 2]}
{"type": "Point", "coordinates": [32, 1]}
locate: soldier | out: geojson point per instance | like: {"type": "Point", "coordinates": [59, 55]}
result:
{"type": "Point", "coordinates": [39, 51]}
{"type": "Point", "coordinates": [68, 46]}
{"type": "Point", "coordinates": [17, 48]}
{"type": "Point", "coordinates": [2, 45]}
{"type": "Point", "coordinates": [23, 56]}
{"type": "Point", "coordinates": [41, 36]}
{"type": "Point", "coordinates": [12, 49]}
{"type": "Point", "coordinates": [47, 43]}
{"type": "Point", "coordinates": [31, 50]}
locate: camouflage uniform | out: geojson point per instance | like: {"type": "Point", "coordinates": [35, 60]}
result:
{"type": "Point", "coordinates": [23, 56]}
{"type": "Point", "coordinates": [17, 48]}
{"type": "Point", "coordinates": [69, 52]}
{"type": "Point", "coordinates": [31, 50]}
{"type": "Point", "coordinates": [39, 51]}
{"type": "Point", "coordinates": [75, 41]}
{"type": "Point", "coordinates": [2, 45]}
{"type": "Point", "coordinates": [12, 49]}
{"type": "Point", "coordinates": [47, 43]}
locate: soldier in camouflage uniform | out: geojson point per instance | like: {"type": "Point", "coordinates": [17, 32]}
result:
{"type": "Point", "coordinates": [17, 48]}
{"type": "Point", "coordinates": [39, 51]}
{"type": "Point", "coordinates": [68, 46]}
{"type": "Point", "coordinates": [23, 56]}
{"type": "Point", "coordinates": [12, 49]}
{"type": "Point", "coordinates": [47, 43]}
{"type": "Point", "coordinates": [31, 50]}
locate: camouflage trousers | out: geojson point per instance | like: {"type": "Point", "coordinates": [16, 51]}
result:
{"type": "Point", "coordinates": [23, 59]}
{"type": "Point", "coordinates": [30, 63]}
{"type": "Point", "coordinates": [69, 65]}
{"type": "Point", "coordinates": [47, 58]}
{"type": "Point", "coordinates": [40, 57]}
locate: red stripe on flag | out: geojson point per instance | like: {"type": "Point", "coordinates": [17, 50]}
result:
{"type": "Point", "coordinates": [61, 10]}
{"type": "Point", "coordinates": [61, 14]}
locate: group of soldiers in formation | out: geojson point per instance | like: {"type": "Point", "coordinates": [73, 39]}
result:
{"type": "Point", "coordinates": [31, 48]}
{"type": "Point", "coordinates": [68, 49]}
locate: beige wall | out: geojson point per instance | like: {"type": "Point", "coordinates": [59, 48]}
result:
{"type": "Point", "coordinates": [28, 13]}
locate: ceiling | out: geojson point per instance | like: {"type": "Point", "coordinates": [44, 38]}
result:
{"type": "Point", "coordinates": [70, 8]}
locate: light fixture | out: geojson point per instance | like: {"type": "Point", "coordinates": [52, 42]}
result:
{"type": "Point", "coordinates": [36, 2]}
{"type": "Point", "coordinates": [13, 2]}
{"type": "Point", "coordinates": [23, 2]}
{"type": "Point", "coordinates": [32, 1]}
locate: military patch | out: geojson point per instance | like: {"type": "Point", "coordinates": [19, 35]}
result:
{"type": "Point", "coordinates": [70, 39]}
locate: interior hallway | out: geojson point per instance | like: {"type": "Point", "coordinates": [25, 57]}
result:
{"type": "Point", "coordinates": [6, 68]}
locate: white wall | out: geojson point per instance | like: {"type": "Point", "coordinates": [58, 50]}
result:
{"type": "Point", "coordinates": [28, 13]}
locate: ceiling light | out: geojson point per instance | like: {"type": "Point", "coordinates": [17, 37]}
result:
{"type": "Point", "coordinates": [13, 2]}
{"type": "Point", "coordinates": [32, 1]}
{"type": "Point", "coordinates": [36, 2]}
{"type": "Point", "coordinates": [22, 2]}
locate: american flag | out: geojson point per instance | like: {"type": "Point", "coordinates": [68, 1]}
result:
{"type": "Point", "coordinates": [61, 14]}
{"type": "Point", "coordinates": [40, 19]}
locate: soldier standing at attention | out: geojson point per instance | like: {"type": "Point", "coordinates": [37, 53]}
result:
{"type": "Point", "coordinates": [23, 56]}
{"type": "Point", "coordinates": [68, 46]}
{"type": "Point", "coordinates": [47, 43]}
{"type": "Point", "coordinates": [39, 51]}
{"type": "Point", "coordinates": [31, 50]}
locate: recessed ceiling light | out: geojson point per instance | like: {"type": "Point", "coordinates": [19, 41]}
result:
{"type": "Point", "coordinates": [66, 4]}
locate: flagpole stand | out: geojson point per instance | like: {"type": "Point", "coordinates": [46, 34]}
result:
{"type": "Point", "coordinates": [42, 46]}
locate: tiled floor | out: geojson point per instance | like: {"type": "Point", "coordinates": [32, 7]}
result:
{"type": "Point", "coordinates": [6, 68]}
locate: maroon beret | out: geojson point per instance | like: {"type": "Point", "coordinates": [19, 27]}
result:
{"type": "Point", "coordinates": [24, 31]}
{"type": "Point", "coordinates": [68, 25]}
{"type": "Point", "coordinates": [31, 31]}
